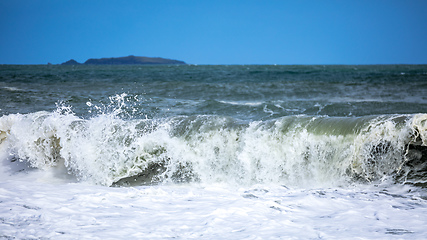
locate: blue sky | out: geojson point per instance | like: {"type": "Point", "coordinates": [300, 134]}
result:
{"type": "Point", "coordinates": [216, 32]}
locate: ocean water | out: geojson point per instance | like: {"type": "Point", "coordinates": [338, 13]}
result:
{"type": "Point", "coordinates": [213, 152]}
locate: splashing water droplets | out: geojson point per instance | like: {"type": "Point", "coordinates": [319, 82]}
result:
{"type": "Point", "coordinates": [122, 105]}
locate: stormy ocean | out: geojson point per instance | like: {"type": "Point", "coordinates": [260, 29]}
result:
{"type": "Point", "coordinates": [213, 152]}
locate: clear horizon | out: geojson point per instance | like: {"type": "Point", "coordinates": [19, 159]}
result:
{"type": "Point", "coordinates": [306, 32]}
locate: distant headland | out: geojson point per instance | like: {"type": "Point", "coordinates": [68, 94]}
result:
{"type": "Point", "coordinates": [129, 60]}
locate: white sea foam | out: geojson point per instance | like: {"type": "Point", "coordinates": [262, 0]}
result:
{"type": "Point", "coordinates": [13, 89]}
{"type": "Point", "coordinates": [34, 209]}
{"type": "Point", "coordinates": [242, 103]}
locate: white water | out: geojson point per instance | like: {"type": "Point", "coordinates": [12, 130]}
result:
{"type": "Point", "coordinates": [37, 205]}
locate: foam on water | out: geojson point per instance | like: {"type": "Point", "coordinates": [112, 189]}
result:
{"type": "Point", "coordinates": [34, 209]}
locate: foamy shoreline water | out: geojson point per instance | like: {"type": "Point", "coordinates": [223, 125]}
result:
{"type": "Point", "coordinates": [40, 209]}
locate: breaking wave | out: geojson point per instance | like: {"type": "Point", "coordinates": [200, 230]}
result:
{"type": "Point", "coordinates": [293, 150]}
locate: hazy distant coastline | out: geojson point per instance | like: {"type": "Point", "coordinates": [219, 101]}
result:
{"type": "Point", "coordinates": [129, 60]}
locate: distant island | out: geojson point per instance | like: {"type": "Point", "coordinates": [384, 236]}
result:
{"type": "Point", "coordinates": [129, 60]}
